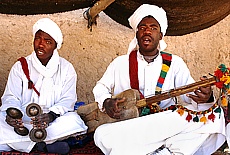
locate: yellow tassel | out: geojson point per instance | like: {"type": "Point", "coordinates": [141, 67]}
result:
{"type": "Point", "coordinates": [180, 111]}
{"type": "Point", "coordinates": [203, 119]}
{"type": "Point", "coordinates": [225, 79]}
{"type": "Point", "coordinates": [224, 101]}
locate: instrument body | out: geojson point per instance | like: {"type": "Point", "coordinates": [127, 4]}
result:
{"type": "Point", "coordinates": [93, 117]}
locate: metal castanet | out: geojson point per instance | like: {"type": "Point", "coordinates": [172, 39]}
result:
{"type": "Point", "coordinates": [93, 117]}
{"type": "Point", "coordinates": [17, 114]}
{"type": "Point", "coordinates": [36, 135]}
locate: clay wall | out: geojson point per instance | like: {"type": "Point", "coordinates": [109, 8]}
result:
{"type": "Point", "coordinates": [90, 52]}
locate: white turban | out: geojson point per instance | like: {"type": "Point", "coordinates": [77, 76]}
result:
{"type": "Point", "coordinates": [51, 28]}
{"type": "Point", "coordinates": [145, 10]}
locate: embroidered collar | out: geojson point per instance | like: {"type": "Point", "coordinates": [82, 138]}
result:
{"type": "Point", "coordinates": [133, 70]}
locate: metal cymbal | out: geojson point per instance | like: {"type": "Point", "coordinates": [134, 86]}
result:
{"type": "Point", "coordinates": [17, 114]}
{"type": "Point", "coordinates": [33, 109]}
{"type": "Point", "coordinates": [37, 135]}
{"type": "Point", "coordinates": [23, 131]}
{"type": "Point", "coordinates": [14, 113]}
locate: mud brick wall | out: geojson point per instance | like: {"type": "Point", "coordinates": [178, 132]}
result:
{"type": "Point", "coordinates": [91, 52]}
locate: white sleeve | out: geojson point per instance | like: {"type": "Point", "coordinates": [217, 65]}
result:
{"type": "Point", "coordinates": [14, 87]}
{"type": "Point", "coordinates": [104, 86]}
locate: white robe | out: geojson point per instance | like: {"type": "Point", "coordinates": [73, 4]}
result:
{"type": "Point", "coordinates": [145, 134]}
{"type": "Point", "coordinates": [61, 96]}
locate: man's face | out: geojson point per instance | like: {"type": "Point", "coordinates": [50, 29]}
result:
{"type": "Point", "coordinates": [148, 35]}
{"type": "Point", "coordinates": [44, 46]}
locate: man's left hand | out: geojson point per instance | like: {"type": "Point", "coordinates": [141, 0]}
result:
{"type": "Point", "coordinates": [202, 94]}
{"type": "Point", "coordinates": [41, 121]}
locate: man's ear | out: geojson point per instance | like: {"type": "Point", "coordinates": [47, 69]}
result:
{"type": "Point", "coordinates": [136, 34]}
{"type": "Point", "coordinates": [161, 36]}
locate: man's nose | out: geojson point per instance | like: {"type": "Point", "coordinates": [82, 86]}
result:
{"type": "Point", "coordinates": [148, 30]}
{"type": "Point", "coordinates": [41, 43]}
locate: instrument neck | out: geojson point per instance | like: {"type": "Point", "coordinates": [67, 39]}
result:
{"type": "Point", "coordinates": [175, 92]}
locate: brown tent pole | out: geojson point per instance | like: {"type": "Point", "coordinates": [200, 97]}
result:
{"type": "Point", "coordinates": [92, 13]}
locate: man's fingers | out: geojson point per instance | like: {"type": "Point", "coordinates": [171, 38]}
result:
{"type": "Point", "coordinates": [116, 115]}
{"type": "Point", "coordinates": [206, 90]}
{"type": "Point", "coordinates": [119, 100]}
{"type": "Point", "coordinates": [194, 98]}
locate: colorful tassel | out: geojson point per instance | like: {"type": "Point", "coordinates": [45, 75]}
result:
{"type": "Point", "coordinates": [218, 110]}
{"type": "Point", "coordinates": [224, 101]}
{"type": "Point", "coordinates": [203, 119]}
{"type": "Point", "coordinates": [180, 111]}
{"type": "Point", "coordinates": [196, 119]}
{"type": "Point", "coordinates": [189, 117]}
{"type": "Point", "coordinates": [211, 117]}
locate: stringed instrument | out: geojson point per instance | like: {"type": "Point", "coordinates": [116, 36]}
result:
{"type": "Point", "coordinates": [93, 117]}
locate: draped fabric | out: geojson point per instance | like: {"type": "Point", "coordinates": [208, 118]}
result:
{"type": "Point", "coordinates": [45, 81]}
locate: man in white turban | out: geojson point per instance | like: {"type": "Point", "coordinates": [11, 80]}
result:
{"type": "Point", "coordinates": [48, 80]}
{"type": "Point", "coordinates": [150, 70]}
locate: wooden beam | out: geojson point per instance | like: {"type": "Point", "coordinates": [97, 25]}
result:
{"type": "Point", "coordinates": [92, 13]}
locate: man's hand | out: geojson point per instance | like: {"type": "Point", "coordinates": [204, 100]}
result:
{"type": "Point", "coordinates": [16, 123]}
{"type": "Point", "coordinates": [203, 94]}
{"type": "Point", "coordinates": [111, 107]}
{"type": "Point", "coordinates": [41, 121]}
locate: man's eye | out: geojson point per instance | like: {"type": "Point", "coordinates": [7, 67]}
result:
{"type": "Point", "coordinates": [140, 28]}
{"type": "Point", "coordinates": [153, 28]}
{"type": "Point", "coordinates": [48, 42]}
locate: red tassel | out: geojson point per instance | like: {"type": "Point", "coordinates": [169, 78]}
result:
{"type": "Point", "coordinates": [30, 84]}
{"type": "Point", "coordinates": [211, 117]}
{"type": "Point", "coordinates": [189, 117]}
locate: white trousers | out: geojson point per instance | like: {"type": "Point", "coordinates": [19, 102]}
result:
{"type": "Point", "coordinates": [228, 134]}
{"type": "Point", "coordinates": [142, 135]}
{"type": "Point", "coordinates": [5, 148]}
{"type": "Point", "coordinates": [64, 126]}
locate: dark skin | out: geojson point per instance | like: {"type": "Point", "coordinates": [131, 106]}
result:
{"type": "Point", "coordinates": [16, 123]}
{"type": "Point", "coordinates": [41, 121]}
{"type": "Point", "coordinates": [148, 36]}
{"type": "Point", "coordinates": [44, 46]}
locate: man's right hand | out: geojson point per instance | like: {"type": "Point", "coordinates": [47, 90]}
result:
{"type": "Point", "coordinates": [111, 107]}
{"type": "Point", "coordinates": [16, 123]}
